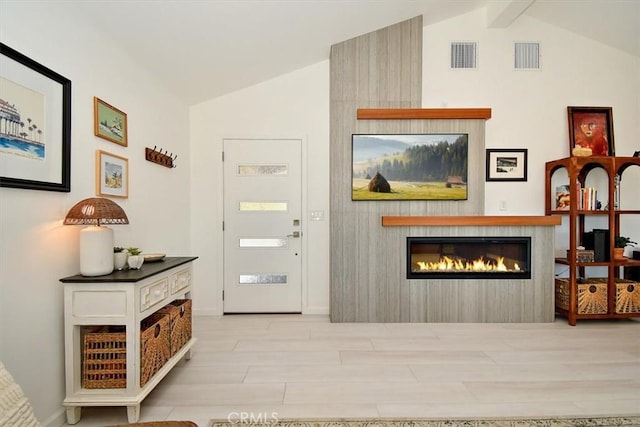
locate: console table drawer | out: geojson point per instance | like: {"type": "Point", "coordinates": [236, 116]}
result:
{"type": "Point", "coordinates": [96, 304]}
{"type": "Point", "coordinates": [180, 280]}
{"type": "Point", "coordinates": [153, 294]}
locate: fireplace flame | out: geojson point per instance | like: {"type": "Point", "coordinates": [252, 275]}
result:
{"type": "Point", "coordinates": [449, 264]}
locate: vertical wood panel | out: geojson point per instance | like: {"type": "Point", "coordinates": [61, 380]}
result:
{"type": "Point", "coordinates": [381, 69]}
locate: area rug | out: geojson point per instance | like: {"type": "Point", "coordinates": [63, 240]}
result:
{"type": "Point", "coordinates": [630, 421]}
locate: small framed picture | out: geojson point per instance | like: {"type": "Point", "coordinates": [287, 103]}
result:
{"type": "Point", "coordinates": [507, 165]}
{"type": "Point", "coordinates": [109, 122]}
{"type": "Point", "coordinates": [112, 175]}
{"type": "Point", "coordinates": [591, 131]}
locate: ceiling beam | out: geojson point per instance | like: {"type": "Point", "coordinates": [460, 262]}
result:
{"type": "Point", "coordinates": [501, 13]}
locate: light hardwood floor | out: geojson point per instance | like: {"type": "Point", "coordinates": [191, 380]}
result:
{"type": "Point", "coordinates": [285, 366]}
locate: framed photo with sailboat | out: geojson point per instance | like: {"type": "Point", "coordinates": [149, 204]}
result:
{"type": "Point", "coordinates": [109, 122]}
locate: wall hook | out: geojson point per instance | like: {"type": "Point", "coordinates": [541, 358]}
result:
{"type": "Point", "coordinates": [160, 158]}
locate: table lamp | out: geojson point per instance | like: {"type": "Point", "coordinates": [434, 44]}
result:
{"type": "Point", "coordinates": [96, 241]}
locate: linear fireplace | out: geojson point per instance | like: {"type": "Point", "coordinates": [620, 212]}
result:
{"type": "Point", "coordinates": [468, 257]}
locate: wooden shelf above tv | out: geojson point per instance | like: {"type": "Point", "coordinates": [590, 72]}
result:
{"type": "Point", "coordinates": [442, 221]}
{"type": "Point", "coordinates": [423, 113]}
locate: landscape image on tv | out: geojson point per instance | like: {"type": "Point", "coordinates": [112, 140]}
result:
{"type": "Point", "coordinates": [409, 167]}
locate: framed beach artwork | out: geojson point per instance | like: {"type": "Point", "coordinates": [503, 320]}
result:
{"type": "Point", "coordinates": [35, 124]}
{"type": "Point", "coordinates": [409, 167]}
{"type": "Point", "coordinates": [109, 123]}
{"type": "Point", "coordinates": [112, 175]}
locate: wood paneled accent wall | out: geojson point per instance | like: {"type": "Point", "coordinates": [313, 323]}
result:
{"type": "Point", "coordinates": [382, 70]}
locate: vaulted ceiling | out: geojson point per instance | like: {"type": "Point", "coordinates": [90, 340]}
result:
{"type": "Point", "coordinates": [207, 48]}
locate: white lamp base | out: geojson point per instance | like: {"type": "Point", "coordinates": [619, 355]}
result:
{"type": "Point", "coordinates": [96, 251]}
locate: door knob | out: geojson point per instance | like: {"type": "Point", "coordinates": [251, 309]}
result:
{"type": "Point", "coordinates": [295, 235]}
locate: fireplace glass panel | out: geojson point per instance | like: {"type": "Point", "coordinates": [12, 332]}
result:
{"type": "Point", "coordinates": [468, 257]}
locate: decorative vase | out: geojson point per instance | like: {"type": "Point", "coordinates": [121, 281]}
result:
{"type": "Point", "coordinates": [120, 260]}
{"type": "Point", "coordinates": [135, 261]}
{"type": "Point", "coordinates": [628, 251]}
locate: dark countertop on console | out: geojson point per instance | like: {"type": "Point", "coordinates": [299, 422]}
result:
{"type": "Point", "coordinates": [148, 269]}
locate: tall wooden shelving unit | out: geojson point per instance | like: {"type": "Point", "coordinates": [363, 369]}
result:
{"type": "Point", "coordinates": [578, 168]}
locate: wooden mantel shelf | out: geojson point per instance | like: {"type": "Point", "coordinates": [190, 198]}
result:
{"type": "Point", "coordinates": [423, 113]}
{"type": "Point", "coordinates": [442, 221]}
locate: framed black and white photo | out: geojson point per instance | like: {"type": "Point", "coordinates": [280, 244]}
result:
{"type": "Point", "coordinates": [506, 164]}
{"type": "Point", "coordinates": [35, 124]}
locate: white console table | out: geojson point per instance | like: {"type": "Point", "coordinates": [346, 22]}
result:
{"type": "Point", "coordinates": [122, 298]}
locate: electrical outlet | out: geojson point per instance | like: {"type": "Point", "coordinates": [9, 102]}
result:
{"type": "Point", "coordinates": [503, 205]}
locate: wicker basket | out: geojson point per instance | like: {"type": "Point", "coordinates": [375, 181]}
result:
{"type": "Point", "coordinates": [155, 345]}
{"type": "Point", "coordinates": [592, 295]}
{"type": "Point", "coordinates": [627, 296]}
{"type": "Point", "coordinates": [104, 358]}
{"type": "Point", "coordinates": [583, 255]}
{"type": "Point", "coordinates": [179, 312]}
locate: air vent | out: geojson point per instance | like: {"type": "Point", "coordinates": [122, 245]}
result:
{"type": "Point", "coordinates": [527, 56]}
{"type": "Point", "coordinates": [463, 55]}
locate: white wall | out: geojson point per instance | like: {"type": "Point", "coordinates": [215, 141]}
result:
{"type": "Point", "coordinates": [530, 106]}
{"type": "Point", "coordinates": [529, 110]}
{"type": "Point", "coordinates": [35, 248]}
{"type": "Point", "coordinates": [292, 105]}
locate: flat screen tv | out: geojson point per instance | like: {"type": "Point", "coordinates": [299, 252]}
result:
{"type": "Point", "coordinates": [409, 167]}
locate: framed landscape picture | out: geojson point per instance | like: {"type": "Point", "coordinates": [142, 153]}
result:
{"type": "Point", "coordinates": [112, 175]}
{"type": "Point", "coordinates": [409, 167]}
{"type": "Point", "coordinates": [109, 122]}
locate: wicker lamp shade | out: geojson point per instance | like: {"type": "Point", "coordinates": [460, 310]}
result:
{"type": "Point", "coordinates": [96, 211]}
{"type": "Point", "coordinates": [96, 240]}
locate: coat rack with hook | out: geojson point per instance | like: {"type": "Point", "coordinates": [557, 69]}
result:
{"type": "Point", "coordinates": [156, 155]}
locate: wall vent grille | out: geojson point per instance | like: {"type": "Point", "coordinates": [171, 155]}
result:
{"type": "Point", "coordinates": [463, 55]}
{"type": "Point", "coordinates": [527, 56]}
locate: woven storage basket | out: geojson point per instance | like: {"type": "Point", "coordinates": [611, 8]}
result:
{"type": "Point", "coordinates": [155, 345]}
{"type": "Point", "coordinates": [562, 293]}
{"type": "Point", "coordinates": [583, 255]}
{"type": "Point", "coordinates": [179, 312]}
{"type": "Point", "coordinates": [104, 358]}
{"type": "Point", "coordinates": [592, 295]}
{"type": "Point", "coordinates": [627, 296]}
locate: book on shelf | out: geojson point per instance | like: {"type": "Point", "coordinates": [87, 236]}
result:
{"type": "Point", "coordinates": [588, 199]}
{"type": "Point", "coordinates": [562, 198]}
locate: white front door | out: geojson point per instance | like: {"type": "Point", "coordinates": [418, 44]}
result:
{"type": "Point", "coordinates": [262, 226]}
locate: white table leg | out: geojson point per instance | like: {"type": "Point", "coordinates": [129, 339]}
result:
{"type": "Point", "coordinates": [73, 414]}
{"type": "Point", "coordinates": [133, 413]}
